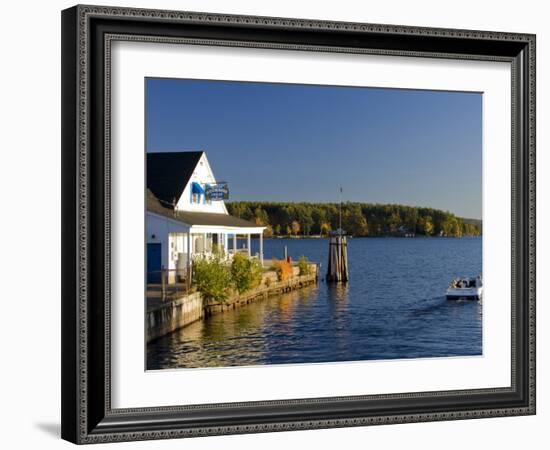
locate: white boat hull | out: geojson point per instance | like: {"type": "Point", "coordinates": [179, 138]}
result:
{"type": "Point", "coordinates": [474, 293]}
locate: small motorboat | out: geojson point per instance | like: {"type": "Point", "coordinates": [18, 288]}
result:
{"type": "Point", "coordinates": [465, 288]}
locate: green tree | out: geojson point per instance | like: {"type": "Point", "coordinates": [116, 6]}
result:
{"type": "Point", "coordinates": [324, 229]}
{"type": "Point", "coordinates": [426, 225]}
{"type": "Point", "coordinates": [446, 227]}
{"type": "Point", "coordinates": [268, 232]}
{"type": "Point", "coordinates": [240, 209]}
{"type": "Point", "coordinates": [354, 222]}
{"type": "Point", "coordinates": [319, 217]}
{"type": "Point", "coordinates": [260, 216]}
{"type": "Point", "coordinates": [394, 222]}
{"type": "Point", "coordinates": [410, 218]}
{"type": "Point", "coordinates": [456, 229]}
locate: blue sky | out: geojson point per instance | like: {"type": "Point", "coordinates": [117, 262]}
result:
{"type": "Point", "coordinates": [284, 142]}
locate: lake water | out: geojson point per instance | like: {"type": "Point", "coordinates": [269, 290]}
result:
{"type": "Point", "coordinates": [392, 307]}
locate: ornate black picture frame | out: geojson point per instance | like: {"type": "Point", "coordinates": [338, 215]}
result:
{"type": "Point", "coordinates": [87, 33]}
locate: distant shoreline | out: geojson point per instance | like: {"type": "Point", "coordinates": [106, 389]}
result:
{"type": "Point", "coordinates": [357, 219]}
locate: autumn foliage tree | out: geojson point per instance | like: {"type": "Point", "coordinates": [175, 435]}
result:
{"type": "Point", "coordinates": [358, 219]}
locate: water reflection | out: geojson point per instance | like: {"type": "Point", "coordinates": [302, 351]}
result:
{"type": "Point", "coordinates": [241, 335]}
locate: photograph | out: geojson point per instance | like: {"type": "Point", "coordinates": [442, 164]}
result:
{"type": "Point", "coordinates": [302, 223]}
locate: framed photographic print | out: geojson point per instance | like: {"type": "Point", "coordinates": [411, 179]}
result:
{"type": "Point", "coordinates": [278, 224]}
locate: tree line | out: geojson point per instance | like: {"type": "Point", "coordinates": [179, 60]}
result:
{"type": "Point", "coordinates": [358, 219]}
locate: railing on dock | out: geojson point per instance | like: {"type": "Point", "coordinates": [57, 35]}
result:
{"type": "Point", "coordinates": [167, 284]}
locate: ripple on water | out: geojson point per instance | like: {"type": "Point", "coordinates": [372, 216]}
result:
{"type": "Point", "coordinates": [392, 308]}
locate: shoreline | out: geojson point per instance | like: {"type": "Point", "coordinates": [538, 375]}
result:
{"type": "Point", "coordinates": [172, 315]}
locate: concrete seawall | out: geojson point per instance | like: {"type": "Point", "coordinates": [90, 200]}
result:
{"type": "Point", "coordinates": [175, 314]}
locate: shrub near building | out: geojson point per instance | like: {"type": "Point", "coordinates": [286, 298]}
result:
{"type": "Point", "coordinates": [303, 265]}
{"type": "Point", "coordinates": [212, 278]}
{"type": "Point", "coordinates": [246, 273]}
{"type": "Point", "coordinates": [283, 269]}
{"type": "Point", "coordinates": [215, 278]}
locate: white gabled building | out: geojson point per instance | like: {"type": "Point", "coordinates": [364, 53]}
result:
{"type": "Point", "coordinates": [186, 215]}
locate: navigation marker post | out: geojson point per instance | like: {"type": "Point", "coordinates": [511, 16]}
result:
{"type": "Point", "coordinates": [337, 268]}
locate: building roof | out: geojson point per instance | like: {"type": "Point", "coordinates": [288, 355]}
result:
{"type": "Point", "coordinates": [197, 218]}
{"type": "Point", "coordinates": [169, 172]}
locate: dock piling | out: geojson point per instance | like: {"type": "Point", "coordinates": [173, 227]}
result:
{"type": "Point", "coordinates": [337, 270]}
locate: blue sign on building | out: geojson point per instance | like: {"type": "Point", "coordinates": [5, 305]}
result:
{"type": "Point", "coordinates": [216, 192]}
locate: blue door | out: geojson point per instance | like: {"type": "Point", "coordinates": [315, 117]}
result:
{"type": "Point", "coordinates": [154, 263]}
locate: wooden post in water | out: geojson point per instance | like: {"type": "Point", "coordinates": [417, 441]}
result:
{"type": "Point", "coordinates": [337, 269]}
